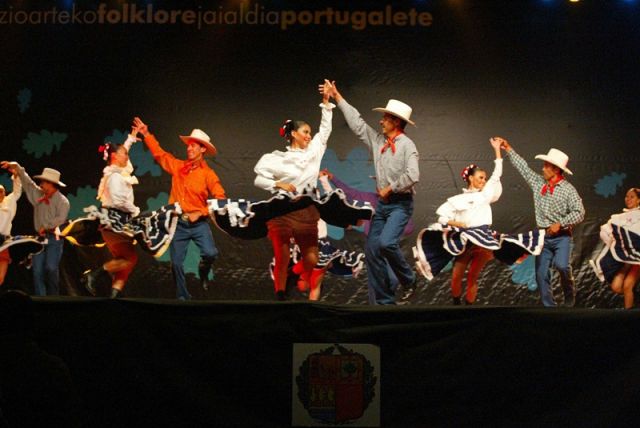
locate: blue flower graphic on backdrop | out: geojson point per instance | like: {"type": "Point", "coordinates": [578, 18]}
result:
{"type": "Point", "coordinates": [139, 155]}
{"type": "Point", "coordinates": [356, 171]}
{"type": "Point", "coordinates": [43, 143]}
{"type": "Point", "coordinates": [24, 99]}
{"type": "Point", "coordinates": [84, 197]}
{"type": "Point", "coordinates": [161, 199]}
{"type": "Point", "coordinates": [525, 273]}
{"type": "Point", "coordinates": [193, 254]}
{"type": "Point", "coordinates": [609, 184]}
{"type": "Point", "coordinates": [5, 180]}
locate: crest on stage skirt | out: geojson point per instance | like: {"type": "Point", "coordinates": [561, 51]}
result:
{"type": "Point", "coordinates": [625, 248]}
{"type": "Point", "coordinates": [22, 247]}
{"type": "Point", "coordinates": [248, 220]}
{"type": "Point", "coordinates": [436, 246]}
{"type": "Point", "coordinates": [153, 230]}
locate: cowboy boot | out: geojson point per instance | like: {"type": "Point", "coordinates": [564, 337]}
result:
{"type": "Point", "coordinates": [204, 267]}
{"type": "Point", "coordinates": [90, 279]}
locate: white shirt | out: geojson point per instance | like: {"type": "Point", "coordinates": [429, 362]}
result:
{"type": "Point", "coordinates": [8, 207]}
{"type": "Point", "coordinates": [473, 207]}
{"type": "Point", "coordinates": [117, 191]}
{"type": "Point", "coordinates": [299, 167]}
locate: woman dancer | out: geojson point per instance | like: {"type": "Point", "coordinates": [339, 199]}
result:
{"type": "Point", "coordinates": [8, 206]}
{"type": "Point", "coordinates": [116, 194]}
{"type": "Point", "coordinates": [293, 172]}
{"type": "Point", "coordinates": [470, 209]}
{"type": "Point", "coordinates": [463, 231]}
{"type": "Point", "coordinates": [614, 265]}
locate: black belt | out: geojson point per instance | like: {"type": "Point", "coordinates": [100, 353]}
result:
{"type": "Point", "coordinates": [398, 197]}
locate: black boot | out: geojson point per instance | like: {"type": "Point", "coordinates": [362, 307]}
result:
{"type": "Point", "coordinates": [90, 279]}
{"type": "Point", "coordinates": [456, 301]}
{"type": "Point", "coordinates": [116, 294]}
{"type": "Point", "coordinates": [204, 267]}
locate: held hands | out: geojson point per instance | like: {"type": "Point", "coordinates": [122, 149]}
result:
{"type": "Point", "coordinates": [502, 143]}
{"type": "Point", "coordinates": [140, 127]}
{"type": "Point", "coordinates": [496, 143]}
{"type": "Point", "coordinates": [12, 167]}
{"type": "Point", "coordinates": [328, 89]}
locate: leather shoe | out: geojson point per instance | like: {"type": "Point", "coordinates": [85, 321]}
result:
{"type": "Point", "coordinates": [89, 281]}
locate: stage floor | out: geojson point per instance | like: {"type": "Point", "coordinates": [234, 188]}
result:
{"type": "Point", "coordinates": [160, 362]}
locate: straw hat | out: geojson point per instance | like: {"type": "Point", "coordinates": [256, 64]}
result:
{"type": "Point", "coordinates": [557, 158]}
{"type": "Point", "coordinates": [51, 175]}
{"type": "Point", "coordinates": [397, 109]}
{"type": "Point", "coordinates": [202, 138]}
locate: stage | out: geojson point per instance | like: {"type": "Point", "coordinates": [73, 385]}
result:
{"type": "Point", "coordinates": [157, 362]}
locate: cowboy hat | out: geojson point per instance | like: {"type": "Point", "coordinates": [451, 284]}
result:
{"type": "Point", "coordinates": [397, 109]}
{"type": "Point", "coordinates": [557, 158]}
{"type": "Point", "coordinates": [51, 175]}
{"type": "Point", "coordinates": [199, 136]}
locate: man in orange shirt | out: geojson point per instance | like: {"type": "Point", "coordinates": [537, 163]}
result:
{"type": "Point", "coordinates": [192, 183]}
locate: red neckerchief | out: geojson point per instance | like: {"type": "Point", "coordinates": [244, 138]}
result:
{"type": "Point", "coordinates": [44, 199]}
{"type": "Point", "coordinates": [551, 185]}
{"type": "Point", "coordinates": [189, 166]}
{"type": "Point", "coordinates": [391, 142]}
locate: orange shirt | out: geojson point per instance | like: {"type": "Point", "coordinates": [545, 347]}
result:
{"type": "Point", "coordinates": [191, 189]}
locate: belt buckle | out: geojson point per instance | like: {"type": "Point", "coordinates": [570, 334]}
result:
{"type": "Point", "coordinates": [185, 217]}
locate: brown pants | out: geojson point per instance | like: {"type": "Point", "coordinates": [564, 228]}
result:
{"type": "Point", "coordinates": [302, 226]}
{"type": "Point", "coordinates": [123, 250]}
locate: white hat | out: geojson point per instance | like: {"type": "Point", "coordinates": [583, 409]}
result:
{"type": "Point", "coordinates": [557, 158]}
{"type": "Point", "coordinates": [397, 109]}
{"type": "Point", "coordinates": [202, 138]}
{"type": "Point", "coordinates": [51, 175]}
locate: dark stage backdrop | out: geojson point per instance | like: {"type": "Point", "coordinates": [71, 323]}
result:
{"type": "Point", "coordinates": [540, 73]}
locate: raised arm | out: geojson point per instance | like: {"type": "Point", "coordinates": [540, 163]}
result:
{"type": "Point", "coordinates": [365, 133]}
{"type": "Point", "coordinates": [319, 142]}
{"type": "Point", "coordinates": [533, 179]}
{"type": "Point", "coordinates": [493, 189]}
{"type": "Point", "coordinates": [30, 188]}
{"type": "Point", "coordinates": [16, 192]}
{"type": "Point", "coordinates": [166, 160]}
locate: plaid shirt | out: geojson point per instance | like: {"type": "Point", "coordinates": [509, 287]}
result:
{"type": "Point", "coordinates": [564, 206]}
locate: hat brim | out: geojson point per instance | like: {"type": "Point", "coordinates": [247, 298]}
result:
{"type": "Point", "coordinates": [552, 162]}
{"type": "Point", "coordinates": [211, 149]}
{"type": "Point", "coordinates": [42, 177]}
{"type": "Point", "coordinates": [393, 113]}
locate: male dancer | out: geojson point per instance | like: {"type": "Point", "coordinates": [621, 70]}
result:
{"type": "Point", "coordinates": [395, 159]}
{"type": "Point", "coordinates": [558, 209]}
{"type": "Point", "coordinates": [192, 183]}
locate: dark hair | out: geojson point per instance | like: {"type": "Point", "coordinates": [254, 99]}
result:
{"type": "Point", "coordinates": [289, 126]}
{"type": "Point", "coordinates": [107, 149]}
{"type": "Point", "coordinates": [636, 190]}
{"type": "Point", "coordinates": [469, 170]}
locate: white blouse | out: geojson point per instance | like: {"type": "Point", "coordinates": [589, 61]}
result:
{"type": "Point", "coordinates": [629, 218]}
{"type": "Point", "coordinates": [8, 207]}
{"type": "Point", "coordinates": [473, 207]}
{"type": "Point", "coordinates": [299, 167]}
{"type": "Point", "coordinates": [118, 191]}
{"type": "Point", "coordinates": [116, 186]}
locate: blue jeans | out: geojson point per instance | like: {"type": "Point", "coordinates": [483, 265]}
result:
{"type": "Point", "coordinates": [46, 277]}
{"type": "Point", "coordinates": [200, 233]}
{"type": "Point", "coordinates": [383, 256]}
{"type": "Point", "coordinates": [556, 251]}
